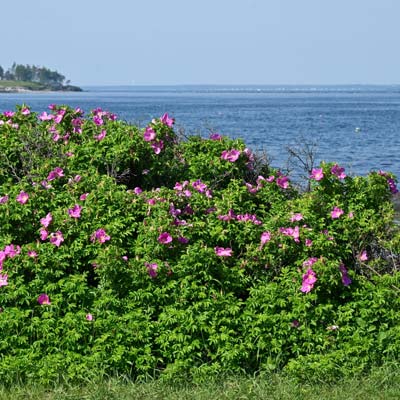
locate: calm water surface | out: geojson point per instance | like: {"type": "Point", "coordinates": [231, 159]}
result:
{"type": "Point", "coordinates": [356, 126]}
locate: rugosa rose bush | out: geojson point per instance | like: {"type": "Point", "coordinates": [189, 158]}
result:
{"type": "Point", "coordinates": [132, 251]}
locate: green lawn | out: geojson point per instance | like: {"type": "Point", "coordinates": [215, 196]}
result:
{"type": "Point", "coordinates": [23, 84]}
{"type": "Point", "coordinates": [382, 384]}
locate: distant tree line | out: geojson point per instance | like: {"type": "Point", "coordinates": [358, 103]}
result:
{"type": "Point", "coordinates": [32, 73]}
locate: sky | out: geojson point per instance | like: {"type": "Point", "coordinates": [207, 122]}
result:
{"type": "Point", "coordinates": [170, 42]}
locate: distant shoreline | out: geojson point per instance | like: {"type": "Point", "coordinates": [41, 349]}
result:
{"type": "Point", "coordinates": [33, 87]}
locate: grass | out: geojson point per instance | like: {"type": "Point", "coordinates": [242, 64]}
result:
{"type": "Point", "coordinates": [382, 384]}
{"type": "Point", "coordinates": [23, 84]}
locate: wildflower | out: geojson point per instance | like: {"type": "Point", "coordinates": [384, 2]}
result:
{"type": "Point", "coordinates": [4, 199]}
{"type": "Point", "coordinates": [311, 261]}
{"type": "Point", "coordinates": [336, 212]}
{"type": "Point", "coordinates": [164, 238]}
{"type": "Point", "coordinates": [296, 217]}
{"type": "Point", "coordinates": [23, 197]}
{"type": "Point", "coordinates": [223, 252]}
{"type": "Point", "coordinates": [75, 212]}
{"type": "Point", "coordinates": [166, 120]}
{"type": "Point", "coordinates": [98, 120]}
{"type": "Point", "coordinates": [183, 240]}
{"type": "Point", "coordinates": [308, 242]}
{"type": "Point", "coordinates": [363, 256]}
{"type": "Point", "coordinates": [43, 234]}
{"type": "Point", "coordinates": [265, 237]}
{"type": "Point", "coordinates": [45, 117]}
{"type": "Point", "coordinates": [32, 253]}
{"type": "Point", "coordinates": [230, 155]}
{"type": "Point", "coordinates": [294, 232]}
{"type": "Point", "coordinates": [46, 220]}
{"type": "Point", "coordinates": [149, 134]}
{"type": "Point", "coordinates": [56, 238]}
{"type": "Point", "coordinates": [309, 279]}
{"type": "Point", "coordinates": [83, 196]}
{"type": "Point", "coordinates": [152, 269]}
{"type": "Point", "coordinates": [89, 317]}
{"type": "Point", "coordinates": [43, 299]}
{"type": "Point", "coordinates": [25, 111]}
{"type": "Point", "coordinates": [283, 182]}
{"type": "Point", "coordinates": [100, 235]}
{"type": "Point", "coordinates": [55, 173]}
{"type": "Point", "coordinates": [3, 280]}
{"type": "Point", "coordinates": [215, 136]}
{"type": "Point", "coordinates": [338, 171]}
{"type": "Point", "coordinates": [295, 323]}
{"type": "Point", "coordinates": [137, 190]}
{"type": "Point", "coordinates": [317, 174]}
{"type": "Point", "coordinates": [101, 135]}
{"type": "Point", "coordinates": [332, 328]}
{"type": "Point", "coordinates": [157, 146]}
{"type": "Point", "coordinates": [345, 277]}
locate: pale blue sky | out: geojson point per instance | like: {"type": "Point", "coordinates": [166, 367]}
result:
{"type": "Point", "coordinates": [206, 41]}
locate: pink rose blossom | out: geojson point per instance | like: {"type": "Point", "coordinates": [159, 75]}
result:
{"type": "Point", "coordinates": [83, 196]}
{"type": "Point", "coordinates": [345, 277]}
{"type": "Point", "coordinates": [283, 182]}
{"type": "Point", "coordinates": [317, 174]}
{"type": "Point", "coordinates": [32, 253]}
{"type": "Point", "coordinates": [101, 135]}
{"type": "Point", "coordinates": [23, 197]}
{"type": "Point", "coordinates": [43, 234]}
{"type": "Point", "coordinates": [338, 171]}
{"type": "Point", "coordinates": [89, 317]}
{"type": "Point", "coordinates": [152, 269]}
{"type": "Point", "coordinates": [46, 221]}
{"type": "Point", "coordinates": [309, 279]}
{"type": "Point", "coordinates": [308, 242]}
{"type": "Point", "coordinates": [157, 146]}
{"type": "Point", "coordinates": [75, 211]}
{"type": "Point", "coordinates": [55, 173]}
{"type": "Point", "coordinates": [230, 155]}
{"type": "Point", "coordinates": [363, 256]}
{"type": "Point", "coordinates": [164, 238]}
{"type": "Point", "coordinates": [100, 235]}
{"type": "Point", "coordinates": [149, 134]}
{"type": "Point", "coordinates": [56, 238]}
{"type": "Point", "coordinates": [3, 280]}
{"type": "Point", "coordinates": [215, 136]}
{"type": "Point", "coordinates": [167, 120]}
{"type": "Point", "coordinates": [3, 199]}
{"type": "Point", "coordinates": [223, 252]}
{"type": "Point", "coordinates": [336, 212]}
{"type": "Point", "coordinates": [296, 217]}
{"type": "Point", "coordinates": [43, 299]}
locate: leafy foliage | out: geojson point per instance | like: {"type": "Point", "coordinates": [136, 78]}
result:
{"type": "Point", "coordinates": [129, 251]}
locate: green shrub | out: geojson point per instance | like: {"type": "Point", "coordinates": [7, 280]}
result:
{"type": "Point", "coordinates": [130, 251]}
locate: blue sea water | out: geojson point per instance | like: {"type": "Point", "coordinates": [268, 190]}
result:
{"type": "Point", "coordinates": [356, 126]}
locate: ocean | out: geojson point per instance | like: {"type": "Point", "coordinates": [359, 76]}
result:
{"type": "Point", "coordinates": [357, 126]}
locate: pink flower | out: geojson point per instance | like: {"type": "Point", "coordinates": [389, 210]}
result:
{"type": "Point", "coordinates": [56, 238]}
{"type": "Point", "coordinates": [157, 146]}
{"type": "Point", "coordinates": [296, 217]}
{"type": "Point", "coordinates": [100, 235]}
{"type": "Point", "coordinates": [345, 277]}
{"type": "Point", "coordinates": [75, 211]}
{"type": "Point", "coordinates": [310, 262]}
{"type": "Point", "coordinates": [265, 237]}
{"type": "Point", "coordinates": [230, 155]}
{"type": "Point", "coordinates": [282, 182]}
{"type": "Point", "coordinates": [45, 117]}
{"type": "Point", "coordinates": [46, 220]}
{"type": "Point", "coordinates": [223, 252]}
{"type": "Point", "coordinates": [3, 280]}
{"type": "Point", "coordinates": [363, 256]}
{"type": "Point", "coordinates": [25, 111]}
{"type": "Point", "coordinates": [4, 199]}
{"type": "Point", "coordinates": [309, 242]}
{"type": "Point", "coordinates": [152, 269]}
{"type": "Point", "coordinates": [83, 196]}
{"type": "Point", "coordinates": [164, 238]}
{"type": "Point", "coordinates": [166, 120]}
{"type": "Point", "coordinates": [43, 234]}
{"type": "Point", "coordinates": [215, 136]}
{"type": "Point", "coordinates": [101, 135]}
{"type": "Point", "coordinates": [317, 174]}
{"type": "Point", "coordinates": [149, 134]}
{"type": "Point", "coordinates": [336, 212]}
{"type": "Point", "coordinates": [98, 120]}
{"type": "Point", "coordinates": [43, 299]}
{"type": "Point", "coordinates": [56, 173]}
{"type": "Point", "coordinates": [309, 279]}
{"type": "Point", "coordinates": [89, 317]}
{"type": "Point", "coordinates": [338, 171]}
{"type": "Point", "coordinates": [183, 240]}
{"type": "Point", "coordinates": [294, 232]}
{"type": "Point", "coordinates": [11, 251]}
{"type": "Point", "coordinates": [23, 197]}
{"type": "Point", "coordinates": [137, 190]}
{"type": "Point", "coordinates": [32, 253]}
